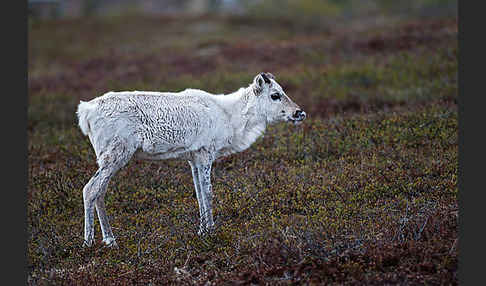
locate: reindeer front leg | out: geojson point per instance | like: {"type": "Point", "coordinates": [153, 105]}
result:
{"type": "Point", "coordinates": [207, 222]}
{"type": "Point", "coordinates": [197, 187]}
{"type": "Point", "coordinates": [201, 173]}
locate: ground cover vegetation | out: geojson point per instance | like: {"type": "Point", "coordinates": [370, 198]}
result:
{"type": "Point", "coordinates": [363, 192]}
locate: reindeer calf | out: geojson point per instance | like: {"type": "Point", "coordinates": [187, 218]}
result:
{"type": "Point", "coordinates": [192, 125]}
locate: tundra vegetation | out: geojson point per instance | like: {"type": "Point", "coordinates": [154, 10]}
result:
{"type": "Point", "coordinates": [364, 190]}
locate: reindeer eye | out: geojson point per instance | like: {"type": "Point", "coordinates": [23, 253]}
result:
{"type": "Point", "coordinates": [275, 96]}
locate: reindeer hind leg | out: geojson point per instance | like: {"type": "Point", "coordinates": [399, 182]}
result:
{"type": "Point", "coordinates": [115, 156]}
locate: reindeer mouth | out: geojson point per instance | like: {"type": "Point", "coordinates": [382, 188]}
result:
{"type": "Point", "coordinates": [295, 121]}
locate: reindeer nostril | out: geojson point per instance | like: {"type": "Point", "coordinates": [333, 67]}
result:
{"type": "Point", "coordinates": [299, 114]}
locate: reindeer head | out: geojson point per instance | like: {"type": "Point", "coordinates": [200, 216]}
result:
{"type": "Point", "coordinates": [273, 103]}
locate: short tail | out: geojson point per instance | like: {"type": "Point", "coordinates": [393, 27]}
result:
{"type": "Point", "coordinates": [84, 109]}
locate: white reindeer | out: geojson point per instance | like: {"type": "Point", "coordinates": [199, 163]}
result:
{"type": "Point", "coordinates": [193, 125]}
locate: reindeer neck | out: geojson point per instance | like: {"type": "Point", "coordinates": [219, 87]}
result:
{"type": "Point", "coordinates": [247, 123]}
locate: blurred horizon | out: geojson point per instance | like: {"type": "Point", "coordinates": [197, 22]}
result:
{"type": "Point", "coordinates": [289, 9]}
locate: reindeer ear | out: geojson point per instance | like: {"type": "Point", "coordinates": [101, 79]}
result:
{"type": "Point", "coordinates": [265, 77]}
{"type": "Point", "coordinates": [270, 75]}
{"type": "Point", "coordinates": [260, 79]}
{"type": "Point", "coordinates": [258, 83]}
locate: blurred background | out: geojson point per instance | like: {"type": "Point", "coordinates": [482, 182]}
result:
{"type": "Point", "coordinates": [277, 8]}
